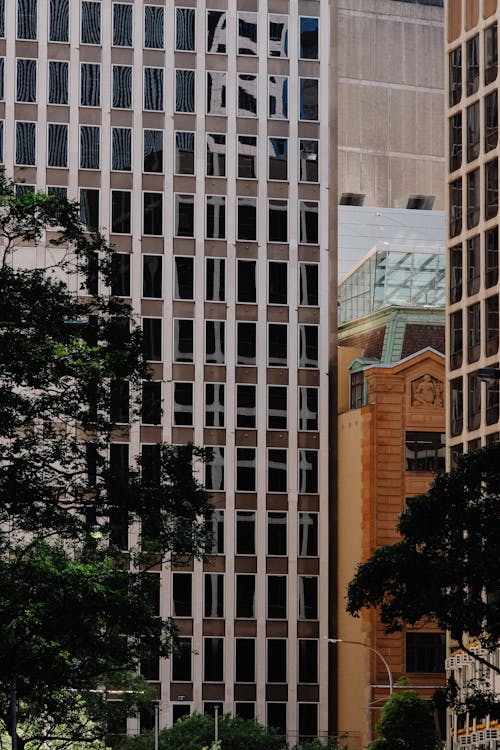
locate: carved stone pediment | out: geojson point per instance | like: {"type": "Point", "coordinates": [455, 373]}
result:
{"type": "Point", "coordinates": [427, 391]}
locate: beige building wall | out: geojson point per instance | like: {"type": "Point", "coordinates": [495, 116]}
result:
{"type": "Point", "coordinates": [390, 100]}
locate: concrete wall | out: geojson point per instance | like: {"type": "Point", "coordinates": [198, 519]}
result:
{"type": "Point", "coordinates": [390, 100]}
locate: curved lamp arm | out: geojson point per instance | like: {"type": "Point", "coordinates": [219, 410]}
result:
{"type": "Point", "coordinates": [360, 643]}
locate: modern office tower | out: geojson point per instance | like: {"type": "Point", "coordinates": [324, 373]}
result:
{"type": "Point", "coordinates": [196, 136]}
{"type": "Point", "coordinates": [473, 288]}
{"type": "Point", "coordinates": [473, 223]}
{"type": "Point", "coordinates": [391, 102]}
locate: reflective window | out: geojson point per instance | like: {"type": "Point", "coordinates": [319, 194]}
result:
{"type": "Point", "coordinates": [153, 214]}
{"type": "Point", "coordinates": [455, 207]}
{"type": "Point", "coordinates": [215, 289]}
{"type": "Point", "coordinates": [308, 408]}
{"type": "Point", "coordinates": [308, 284]}
{"type": "Point", "coordinates": [245, 469]}
{"type": "Point", "coordinates": [277, 283]}
{"type": "Point", "coordinates": [473, 198]}
{"type": "Point", "coordinates": [247, 33]}
{"type": "Point", "coordinates": [57, 146]}
{"type": "Point", "coordinates": [122, 86]}
{"type": "Point", "coordinates": [217, 531]}
{"type": "Point", "coordinates": [491, 121]}
{"type": "Point", "coordinates": [308, 660]}
{"type": "Point", "coordinates": [276, 470]}
{"type": "Point", "coordinates": [185, 38]}
{"type": "Point", "coordinates": [472, 54]}
{"type": "Point", "coordinates": [215, 217]}
{"type": "Point", "coordinates": [91, 22]}
{"type": "Point", "coordinates": [456, 406]}
{"type": "Point", "coordinates": [184, 152]}
{"type": "Point", "coordinates": [245, 532]}
{"type": "Point", "coordinates": [246, 290]}
{"type": "Point", "coordinates": [25, 143]}
{"type": "Point", "coordinates": [245, 406]}
{"type": "Point", "coordinates": [151, 338]}
{"type": "Point", "coordinates": [308, 598]}
{"type": "Point", "coordinates": [247, 219]}
{"type": "Point", "coordinates": [120, 283]}
{"type": "Point", "coordinates": [473, 332]}
{"type": "Point", "coordinates": [278, 158]}
{"type": "Point", "coordinates": [153, 89]}
{"type": "Point", "coordinates": [26, 19]}
{"type": "Point", "coordinates": [456, 340]}
{"type": "Point", "coordinates": [245, 596]}
{"type": "Point", "coordinates": [246, 343]}
{"type": "Point", "coordinates": [278, 98]}
{"type": "Point", "coordinates": [89, 208]}
{"type": "Point", "coordinates": [215, 342]}
{"type": "Point", "coordinates": [216, 154]}
{"type": "Point", "coordinates": [214, 404]}
{"type": "Point", "coordinates": [473, 402]}
{"type": "Point", "coordinates": [308, 160]}
{"type": "Point", "coordinates": [181, 659]}
{"type": "Point", "coordinates": [425, 652]}
{"type": "Point", "coordinates": [90, 137]}
{"type": "Point", "coordinates": [216, 92]}
{"type": "Point", "coordinates": [276, 533]}
{"type": "Point", "coordinates": [122, 25]}
{"type": "Point", "coordinates": [182, 594]}
{"type": "Point", "coordinates": [120, 211]}
{"type": "Point", "coordinates": [491, 320]}
{"type": "Point", "coordinates": [26, 81]}
{"type": "Point", "coordinates": [473, 131]}
{"type": "Point", "coordinates": [308, 38]}
{"type": "Point", "coordinates": [308, 535]}
{"type": "Point", "coordinates": [308, 721]}
{"type": "Point", "coordinates": [276, 717]}
{"type": "Point", "coordinates": [153, 26]}
{"type": "Point", "coordinates": [183, 277]}
{"type": "Point", "coordinates": [308, 222]}
{"type": "Point", "coordinates": [152, 276]}
{"type": "Point", "coordinates": [121, 149]}
{"type": "Point", "coordinates": [278, 36]}
{"type": "Point", "coordinates": [58, 82]}
{"type": "Point", "coordinates": [491, 257]}
{"type": "Point", "coordinates": [309, 98]}
{"type": "Point", "coordinates": [308, 346]}
{"type": "Point", "coordinates": [153, 151]}
{"type": "Point", "coordinates": [308, 470]}
{"type": "Point", "coordinates": [455, 133]}
{"type": "Point", "coordinates": [473, 265]}
{"type": "Point", "coordinates": [2, 72]}
{"type": "Point", "coordinates": [276, 598]}
{"type": "Point", "coordinates": [245, 660]}
{"type": "Point", "coordinates": [247, 95]}
{"type": "Point", "coordinates": [425, 451]}
{"type": "Point", "coordinates": [278, 221]}
{"type": "Point", "coordinates": [456, 274]}
{"type": "Point", "coordinates": [214, 595]}
{"type": "Point", "coordinates": [277, 410]}
{"type": "Point", "coordinates": [455, 76]}
{"type": "Point", "coordinates": [184, 215]}
{"type": "Point", "coordinates": [90, 85]}
{"type": "Point", "coordinates": [183, 340]}
{"type": "Point", "coordinates": [216, 31]}
{"type": "Point", "coordinates": [490, 54]}
{"type": "Point", "coordinates": [2, 18]}
{"type": "Point", "coordinates": [151, 403]}
{"type": "Point", "coordinates": [184, 91]}
{"type": "Point", "coordinates": [2, 145]}
{"type": "Point", "coordinates": [183, 404]}
{"type": "Point", "coordinates": [491, 188]}
{"type": "Point", "coordinates": [214, 474]}
{"type": "Point", "coordinates": [277, 345]}
{"type": "Point", "coordinates": [247, 157]}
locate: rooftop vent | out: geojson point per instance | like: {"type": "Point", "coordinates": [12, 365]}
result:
{"type": "Point", "coordinates": [417, 202]}
{"type": "Point", "coordinates": [351, 199]}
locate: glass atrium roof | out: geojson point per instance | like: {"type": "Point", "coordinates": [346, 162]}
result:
{"type": "Point", "coordinates": [393, 277]}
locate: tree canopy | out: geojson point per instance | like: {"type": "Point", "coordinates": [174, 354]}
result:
{"type": "Point", "coordinates": [197, 731]}
{"type": "Point", "coordinates": [79, 609]}
{"type": "Point", "coordinates": [407, 722]}
{"type": "Point", "coordinates": [447, 559]}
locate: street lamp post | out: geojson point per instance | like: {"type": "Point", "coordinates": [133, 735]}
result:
{"type": "Point", "coordinates": [360, 643]}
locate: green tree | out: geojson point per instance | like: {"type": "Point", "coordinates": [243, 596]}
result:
{"type": "Point", "coordinates": [197, 731]}
{"type": "Point", "coordinates": [445, 567]}
{"type": "Point", "coordinates": [406, 723]}
{"type": "Point", "coordinates": [78, 606]}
